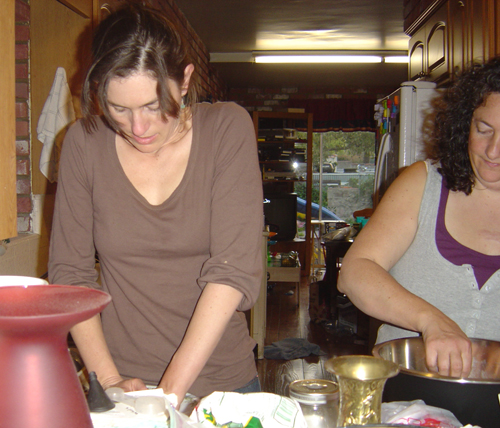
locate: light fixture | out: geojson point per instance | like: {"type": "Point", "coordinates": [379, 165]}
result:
{"type": "Point", "coordinates": [312, 56]}
{"type": "Point", "coordinates": [317, 59]}
{"type": "Point", "coordinates": [396, 59]}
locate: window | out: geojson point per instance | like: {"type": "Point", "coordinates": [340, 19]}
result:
{"type": "Point", "coordinates": [343, 172]}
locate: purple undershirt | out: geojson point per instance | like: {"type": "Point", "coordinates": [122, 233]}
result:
{"type": "Point", "coordinates": [483, 265]}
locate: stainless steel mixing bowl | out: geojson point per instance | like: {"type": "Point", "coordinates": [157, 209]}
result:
{"type": "Point", "coordinates": [473, 400]}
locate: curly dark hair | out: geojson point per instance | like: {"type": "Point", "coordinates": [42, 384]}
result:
{"type": "Point", "coordinates": [453, 116]}
{"type": "Point", "coordinates": [135, 38]}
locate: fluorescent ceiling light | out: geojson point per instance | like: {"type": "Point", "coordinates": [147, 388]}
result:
{"type": "Point", "coordinates": [316, 59]}
{"type": "Point", "coordinates": [396, 59]}
{"type": "Point", "coordinates": [297, 57]}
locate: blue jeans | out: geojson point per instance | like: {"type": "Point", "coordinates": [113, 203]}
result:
{"type": "Point", "coordinates": [252, 386]}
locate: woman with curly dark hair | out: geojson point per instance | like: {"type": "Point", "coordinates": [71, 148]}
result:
{"type": "Point", "coordinates": [450, 145]}
{"type": "Point", "coordinates": [428, 261]}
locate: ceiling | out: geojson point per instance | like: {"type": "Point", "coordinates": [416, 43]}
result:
{"type": "Point", "coordinates": [239, 26]}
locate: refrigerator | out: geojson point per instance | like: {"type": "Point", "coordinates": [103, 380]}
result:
{"type": "Point", "coordinates": [400, 119]}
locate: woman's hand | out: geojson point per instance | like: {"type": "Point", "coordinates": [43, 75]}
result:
{"type": "Point", "coordinates": [216, 305]}
{"type": "Point", "coordinates": [448, 350]}
{"type": "Point", "coordinates": [128, 385]}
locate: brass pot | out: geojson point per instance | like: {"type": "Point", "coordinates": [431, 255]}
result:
{"type": "Point", "coordinates": [361, 381]}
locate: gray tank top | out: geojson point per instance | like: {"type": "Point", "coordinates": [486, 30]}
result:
{"type": "Point", "coordinates": [451, 288]}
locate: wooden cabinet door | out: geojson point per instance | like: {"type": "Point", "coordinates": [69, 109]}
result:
{"type": "Point", "coordinates": [453, 34]}
{"type": "Point", "coordinates": [428, 48]}
{"type": "Point", "coordinates": [437, 45]}
{"type": "Point", "coordinates": [8, 204]}
{"type": "Point", "coordinates": [417, 66]}
{"type": "Point", "coordinates": [494, 12]}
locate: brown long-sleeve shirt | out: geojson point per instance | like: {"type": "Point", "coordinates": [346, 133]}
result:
{"type": "Point", "coordinates": [155, 260]}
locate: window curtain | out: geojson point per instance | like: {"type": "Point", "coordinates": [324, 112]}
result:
{"type": "Point", "coordinates": [351, 114]}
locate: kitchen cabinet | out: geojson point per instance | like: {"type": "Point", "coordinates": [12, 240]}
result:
{"type": "Point", "coordinates": [8, 206]}
{"type": "Point", "coordinates": [417, 68]}
{"type": "Point", "coordinates": [428, 46]}
{"type": "Point", "coordinates": [472, 32]}
{"type": "Point", "coordinates": [437, 53]}
{"type": "Point", "coordinates": [279, 148]}
{"type": "Point", "coordinates": [449, 35]}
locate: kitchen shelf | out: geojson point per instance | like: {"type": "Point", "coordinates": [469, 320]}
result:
{"type": "Point", "coordinates": [285, 140]}
{"type": "Point", "coordinates": [283, 181]}
{"type": "Point", "coordinates": [267, 126]}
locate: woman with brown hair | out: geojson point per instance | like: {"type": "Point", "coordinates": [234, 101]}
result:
{"type": "Point", "coordinates": [168, 193]}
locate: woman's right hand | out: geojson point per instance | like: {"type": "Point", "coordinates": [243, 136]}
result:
{"type": "Point", "coordinates": [448, 350]}
{"type": "Point", "coordinates": [128, 385]}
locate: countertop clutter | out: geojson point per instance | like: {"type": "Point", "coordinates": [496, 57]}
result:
{"type": "Point", "coordinates": [354, 399]}
{"type": "Point", "coordinates": [258, 410]}
{"type": "Point", "coordinates": [219, 409]}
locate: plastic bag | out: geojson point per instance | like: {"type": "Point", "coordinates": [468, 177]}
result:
{"type": "Point", "coordinates": [418, 413]}
{"type": "Point", "coordinates": [255, 410]}
{"type": "Point", "coordinates": [125, 415]}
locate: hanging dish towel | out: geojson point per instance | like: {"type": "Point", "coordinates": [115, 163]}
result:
{"type": "Point", "coordinates": [57, 114]}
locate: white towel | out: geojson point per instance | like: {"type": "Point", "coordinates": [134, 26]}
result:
{"type": "Point", "coordinates": [57, 114]}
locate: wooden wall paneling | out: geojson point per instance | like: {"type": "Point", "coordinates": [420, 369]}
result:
{"type": "Point", "coordinates": [481, 29]}
{"type": "Point", "coordinates": [8, 205]}
{"type": "Point", "coordinates": [458, 35]}
{"type": "Point", "coordinates": [103, 8]}
{"type": "Point", "coordinates": [82, 7]}
{"type": "Point", "coordinates": [494, 11]}
{"type": "Point", "coordinates": [60, 37]}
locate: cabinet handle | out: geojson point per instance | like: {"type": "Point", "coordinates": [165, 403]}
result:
{"type": "Point", "coordinates": [461, 4]}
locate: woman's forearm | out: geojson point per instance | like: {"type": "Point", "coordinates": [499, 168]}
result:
{"type": "Point", "coordinates": [374, 291]}
{"type": "Point", "coordinates": [89, 339]}
{"type": "Point", "coordinates": [215, 308]}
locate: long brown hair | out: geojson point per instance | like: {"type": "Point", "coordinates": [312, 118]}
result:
{"type": "Point", "coordinates": [133, 39]}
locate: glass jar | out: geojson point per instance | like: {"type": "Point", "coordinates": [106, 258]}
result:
{"type": "Point", "coordinates": [289, 259]}
{"type": "Point", "coordinates": [319, 401]}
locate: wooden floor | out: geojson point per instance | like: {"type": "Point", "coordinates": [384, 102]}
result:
{"type": "Point", "coordinates": [288, 317]}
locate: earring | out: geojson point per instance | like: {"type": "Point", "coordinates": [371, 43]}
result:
{"type": "Point", "coordinates": [183, 105]}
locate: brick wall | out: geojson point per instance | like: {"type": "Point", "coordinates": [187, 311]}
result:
{"type": "Point", "coordinates": [212, 88]}
{"type": "Point", "coordinates": [23, 185]}
{"type": "Point", "coordinates": [278, 99]}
